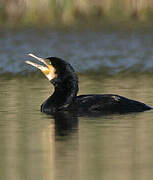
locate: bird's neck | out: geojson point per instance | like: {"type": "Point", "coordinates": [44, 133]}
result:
{"type": "Point", "coordinates": [63, 95]}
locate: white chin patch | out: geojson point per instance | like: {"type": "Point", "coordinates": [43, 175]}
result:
{"type": "Point", "coordinates": [49, 72]}
{"type": "Point", "coordinates": [49, 76]}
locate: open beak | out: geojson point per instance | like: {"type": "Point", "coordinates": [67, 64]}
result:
{"type": "Point", "coordinates": [47, 68]}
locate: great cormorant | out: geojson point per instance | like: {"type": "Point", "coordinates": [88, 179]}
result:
{"type": "Point", "coordinates": [61, 74]}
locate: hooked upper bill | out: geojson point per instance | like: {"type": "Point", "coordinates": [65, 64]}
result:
{"type": "Point", "coordinates": [48, 69]}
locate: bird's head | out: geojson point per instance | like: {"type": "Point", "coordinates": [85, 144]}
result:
{"type": "Point", "coordinates": [55, 69]}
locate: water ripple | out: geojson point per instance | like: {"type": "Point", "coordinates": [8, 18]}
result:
{"type": "Point", "coordinates": [114, 51]}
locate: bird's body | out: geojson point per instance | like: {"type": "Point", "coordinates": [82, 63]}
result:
{"type": "Point", "coordinates": [99, 104]}
{"type": "Point", "coordinates": [65, 81]}
{"type": "Point", "coordinates": [107, 104]}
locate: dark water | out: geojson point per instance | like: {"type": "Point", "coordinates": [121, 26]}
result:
{"type": "Point", "coordinates": [38, 146]}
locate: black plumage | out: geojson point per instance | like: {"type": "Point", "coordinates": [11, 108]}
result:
{"type": "Point", "coordinates": [61, 74]}
{"type": "Point", "coordinates": [65, 96]}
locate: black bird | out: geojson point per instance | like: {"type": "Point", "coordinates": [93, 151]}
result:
{"type": "Point", "coordinates": [64, 99]}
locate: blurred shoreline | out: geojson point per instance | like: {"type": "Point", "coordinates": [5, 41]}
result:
{"type": "Point", "coordinates": [56, 13]}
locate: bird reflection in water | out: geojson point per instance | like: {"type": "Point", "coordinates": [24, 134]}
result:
{"type": "Point", "coordinates": [65, 123]}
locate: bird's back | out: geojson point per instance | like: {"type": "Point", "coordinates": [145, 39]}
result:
{"type": "Point", "coordinates": [107, 103]}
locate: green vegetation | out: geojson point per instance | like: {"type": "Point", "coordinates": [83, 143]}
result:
{"type": "Point", "coordinates": [71, 12]}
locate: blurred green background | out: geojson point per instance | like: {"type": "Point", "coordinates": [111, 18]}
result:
{"type": "Point", "coordinates": [75, 12]}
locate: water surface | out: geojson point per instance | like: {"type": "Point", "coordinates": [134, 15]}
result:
{"type": "Point", "coordinates": [39, 146]}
